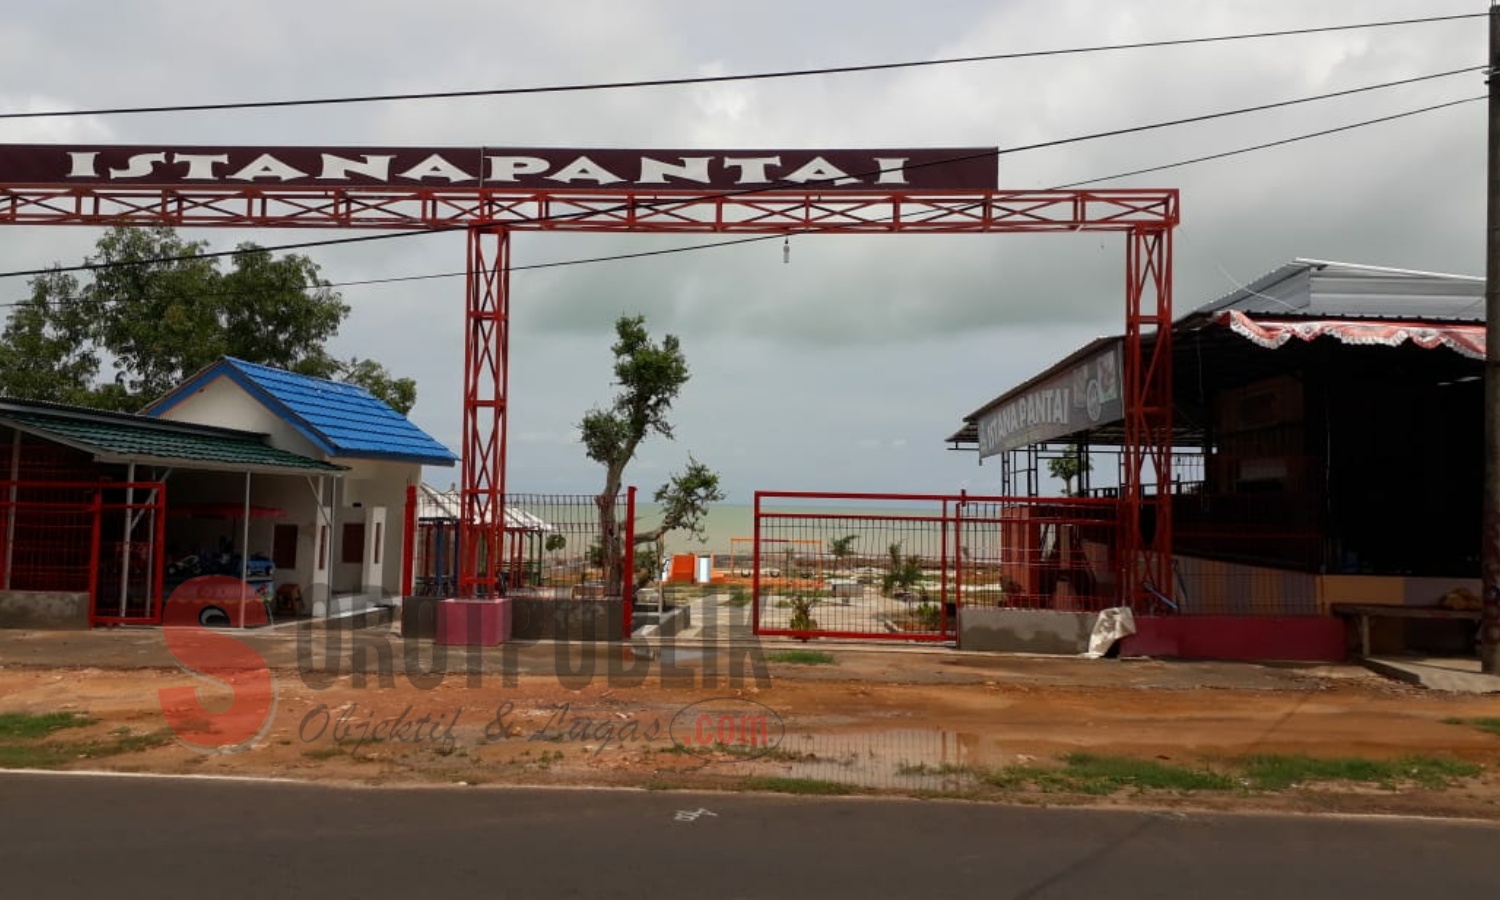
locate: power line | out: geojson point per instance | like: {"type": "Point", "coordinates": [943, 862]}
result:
{"type": "Point", "coordinates": [987, 154]}
{"type": "Point", "coordinates": [718, 79]}
{"type": "Point", "coordinates": [1269, 144]}
{"type": "Point", "coordinates": [770, 237]}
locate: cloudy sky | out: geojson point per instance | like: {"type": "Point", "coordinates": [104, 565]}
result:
{"type": "Point", "coordinates": [844, 368]}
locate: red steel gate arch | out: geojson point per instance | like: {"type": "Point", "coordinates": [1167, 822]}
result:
{"type": "Point", "coordinates": [490, 193]}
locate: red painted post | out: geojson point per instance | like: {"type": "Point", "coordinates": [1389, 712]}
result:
{"type": "Point", "coordinates": [486, 391]}
{"type": "Point", "coordinates": [409, 540]}
{"type": "Point", "coordinates": [958, 570]}
{"type": "Point", "coordinates": [755, 568]}
{"type": "Point", "coordinates": [627, 587]}
{"type": "Point", "coordinates": [943, 572]}
{"type": "Point", "coordinates": [96, 508]}
{"type": "Point", "coordinates": [159, 576]}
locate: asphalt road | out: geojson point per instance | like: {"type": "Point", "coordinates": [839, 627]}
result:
{"type": "Point", "coordinates": [84, 836]}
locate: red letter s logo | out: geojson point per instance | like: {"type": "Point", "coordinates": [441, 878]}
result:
{"type": "Point", "coordinates": [224, 662]}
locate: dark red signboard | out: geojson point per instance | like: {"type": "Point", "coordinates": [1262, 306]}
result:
{"type": "Point", "coordinates": [929, 169]}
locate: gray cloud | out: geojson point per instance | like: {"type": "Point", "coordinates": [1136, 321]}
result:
{"type": "Point", "coordinates": [843, 368]}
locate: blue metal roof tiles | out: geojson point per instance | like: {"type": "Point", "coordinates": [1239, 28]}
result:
{"type": "Point", "coordinates": [341, 419]}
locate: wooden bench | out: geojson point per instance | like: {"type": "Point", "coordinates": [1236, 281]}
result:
{"type": "Point", "coordinates": [1364, 612]}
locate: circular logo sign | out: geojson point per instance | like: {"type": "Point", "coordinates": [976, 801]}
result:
{"type": "Point", "coordinates": [727, 726]}
{"type": "Point", "coordinates": [1095, 401]}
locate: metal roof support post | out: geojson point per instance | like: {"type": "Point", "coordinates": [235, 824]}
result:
{"type": "Point", "coordinates": [245, 553]}
{"type": "Point", "coordinates": [125, 541]}
{"type": "Point", "coordinates": [1489, 558]}
{"type": "Point", "coordinates": [10, 513]}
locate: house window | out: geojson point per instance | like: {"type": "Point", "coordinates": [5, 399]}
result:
{"type": "Point", "coordinates": [284, 546]}
{"type": "Point", "coordinates": [379, 540]}
{"type": "Point", "coordinates": [354, 542]}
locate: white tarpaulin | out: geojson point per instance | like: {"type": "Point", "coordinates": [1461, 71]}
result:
{"type": "Point", "coordinates": [1112, 625]}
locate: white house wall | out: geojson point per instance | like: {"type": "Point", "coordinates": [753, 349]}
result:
{"type": "Point", "coordinates": [378, 483]}
{"type": "Point", "coordinates": [225, 404]}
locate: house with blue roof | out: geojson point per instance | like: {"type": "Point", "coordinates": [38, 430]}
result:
{"type": "Point", "coordinates": [342, 536]}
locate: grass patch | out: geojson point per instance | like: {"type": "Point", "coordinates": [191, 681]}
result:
{"type": "Point", "coordinates": [810, 786]}
{"type": "Point", "coordinates": [322, 753]}
{"type": "Point", "coordinates": [131, 743]}
{"type": "Point", "coordinates": [656, 784]}
{"type": "Point", "coordinates": [34, 756]}
{"type": "Point", "coordinates": [1490, 725]}
{"type": "Point", "coordinates": [803, 658]}
{"type": "Point", "coordinates": [756, 751]}
{"type": "Point", "coordinates": [1088, 773]}
{"type": "Point", "coordinates": [1114, 772]}
{"type": "Point", "coordinates": [20, 726]}
{"type": "Point", "coordinates": [26, 740]}
{"type": "Point", "coordinates": [51, 754]}
{"type": "Point", "coordinates": [1272, 773]}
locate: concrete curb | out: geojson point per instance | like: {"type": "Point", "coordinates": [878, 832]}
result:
{"type": "Point", "coordinates": [1447, 682]}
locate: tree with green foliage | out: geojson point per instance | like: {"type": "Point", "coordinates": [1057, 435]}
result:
{"type": "Point", "coordinates": [650, 376]}
{"type": "Point", "coordinates": [902, 574]}
{"type": "Point", "coordinates": [1072, 464]}
{"type": "Point", "coordinates": [159, 310]}
{"type": "Point", "coordinates": [801, 604]}
{"type": "Point", "coordinates": [841, 548]}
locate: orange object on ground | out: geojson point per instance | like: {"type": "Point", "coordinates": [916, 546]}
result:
{"type": "Point", "coordinates": [684, 569]}
{"type": "Point", "coordinates": [214, 600]}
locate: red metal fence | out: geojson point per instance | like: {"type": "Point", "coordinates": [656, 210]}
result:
{"type": "Point", "coordinates": [102, 539]}
{"type": "Point", "coordinates": [899, 566]}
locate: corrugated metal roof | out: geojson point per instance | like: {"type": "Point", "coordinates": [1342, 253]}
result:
{"type": "Point", "coordinates": [435, 504]}
{"type": "Point", "coordinates": [124, 437]}
{"type": "Point", "coordinates": [1306, 288]}
{"type": "Point", "coordinates": [1333, 290]}
{"type": "Point", "coordinates": [341, 419]}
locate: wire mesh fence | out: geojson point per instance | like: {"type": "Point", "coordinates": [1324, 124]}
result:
{"type": "Point", "coordinates": [100, 539]}
{"type": "Point", "coordinates": [900, 566]}
{"type": "Point", "coordinates": [553, 545]}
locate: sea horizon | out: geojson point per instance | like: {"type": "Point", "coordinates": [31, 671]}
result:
{"type": "Point", "coordinates": [726, 521]}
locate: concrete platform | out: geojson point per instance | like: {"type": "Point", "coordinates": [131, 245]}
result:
{"type": "Point", "coordinates": [1459, 676]}
{"type": "Point", "coordinates": [472, 623]}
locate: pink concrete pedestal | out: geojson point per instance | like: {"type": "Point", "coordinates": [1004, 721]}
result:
{"type": "Point", "coordinates": [472, 623]}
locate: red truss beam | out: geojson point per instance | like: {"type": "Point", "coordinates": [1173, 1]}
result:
{"type": "Point", "coordinates": [601, 210]}
{"type": "Point", "coordinates": [490, 215]}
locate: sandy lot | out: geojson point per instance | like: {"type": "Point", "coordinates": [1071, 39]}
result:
{"type": "Point", "coordinates": [928, 724]}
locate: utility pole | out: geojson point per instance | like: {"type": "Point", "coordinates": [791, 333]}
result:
{"type": "Point", "coordinates": [1489, 559]}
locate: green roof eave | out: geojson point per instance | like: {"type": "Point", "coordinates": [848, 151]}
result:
{"type": "Point", "coordinates": [162, 444]}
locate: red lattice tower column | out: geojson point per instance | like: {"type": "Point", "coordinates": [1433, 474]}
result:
{"type": "Point", "coordinates": [1146, 486]}
{"type": "Point", "coordinates": [486, 388]}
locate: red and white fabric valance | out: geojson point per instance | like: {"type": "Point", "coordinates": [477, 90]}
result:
{"type": "Point", "coordinates": [1467, 339]}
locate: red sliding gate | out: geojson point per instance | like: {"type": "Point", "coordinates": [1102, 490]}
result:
{"type": "Point", "coordinates": [900, 566]}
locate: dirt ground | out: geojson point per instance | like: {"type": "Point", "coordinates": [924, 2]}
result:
{"type": "Point", "coordinates": [921, 724]}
